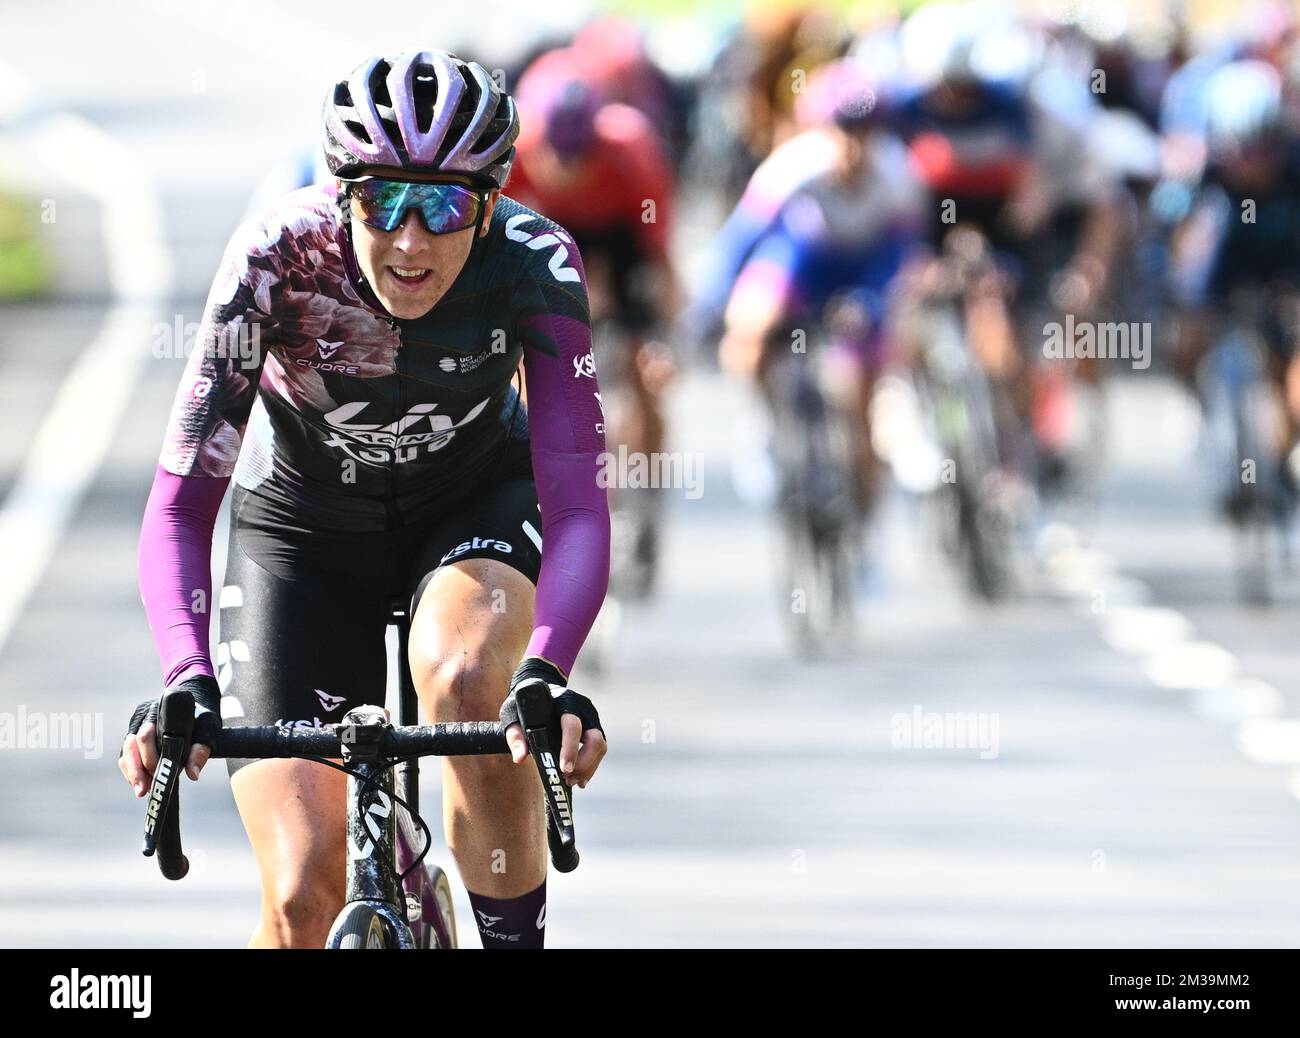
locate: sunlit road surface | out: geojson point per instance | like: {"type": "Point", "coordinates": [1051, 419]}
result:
{"type": "Point", "coordinates": [748, 800]}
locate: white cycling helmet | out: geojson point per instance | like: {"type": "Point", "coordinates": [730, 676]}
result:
{"type": "Point", "coordinates": [1243, 107]}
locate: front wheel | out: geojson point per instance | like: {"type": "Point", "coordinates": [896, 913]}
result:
{"type": "Point", "coordinates": [361, 927]}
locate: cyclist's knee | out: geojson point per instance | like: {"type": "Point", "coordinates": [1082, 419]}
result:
{"type": "Point", "coordinates": [298, 910]}
{"type": "Point", "coordinates": [467, 637]}
{"type": "Point", "coordinates": [465, 686]}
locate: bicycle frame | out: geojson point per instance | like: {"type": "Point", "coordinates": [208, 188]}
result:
{"type": "Point", "coordinates": [378, 837]}
{"type": "Point", "coordinates": [416, 886]}
{"type": "Point", "coordinates": [371, 829]}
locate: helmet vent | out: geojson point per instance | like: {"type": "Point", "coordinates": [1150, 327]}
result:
{"type": "Point", "coordinates": [357, 130]}
{"type": "Point", "coordinates": [424, 94]}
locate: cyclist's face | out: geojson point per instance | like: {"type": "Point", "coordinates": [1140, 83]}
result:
{"type": "Point", "coordinates": [1253, 168]}
{"type": "Point", "coordinates": [430, 262]}
{"type": "Point", "coordinates": [553, 168]}
{"type": "Point", "coordinates": [850, 155]}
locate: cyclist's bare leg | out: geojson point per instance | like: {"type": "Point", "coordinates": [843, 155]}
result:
{"type": "Point", "coordinates": [863, 387]}
{"type": "Point", "coordinates": [468, 634]}
{"type": "Point", "coordinates": [1195, 327]}
{"type": "Point", "coordinates": [1291, 395]}
{"type": "Point", "coordinates": [293, 812]}
{"type": "Point", "coordinates": [649, 372]}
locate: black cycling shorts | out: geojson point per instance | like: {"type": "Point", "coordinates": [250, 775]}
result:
{"type": "Point", "coordinates": [304, 612]}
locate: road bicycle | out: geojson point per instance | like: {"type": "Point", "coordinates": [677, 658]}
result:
{"type": "Point", "coordinates": [818, 507]}
{"type": "Point", "coordinates": [977, 518]}
{"type": "Point", "coordinates": [1243, 422]}
{"type": "Point", "coordinates": [393, 899]}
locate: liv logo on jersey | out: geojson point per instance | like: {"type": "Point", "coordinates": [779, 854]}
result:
{"type": "Point", "coordinates": [560, 239]}
{"type": "Point", "coordinates": [397, 441]}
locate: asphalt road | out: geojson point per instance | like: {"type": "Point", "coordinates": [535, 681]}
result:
{"type": "Point", "coordinates": [1136, 785]}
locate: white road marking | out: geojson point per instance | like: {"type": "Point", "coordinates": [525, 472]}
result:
{"type": "Point", "coordinates": [1141, 630]}
{"type": "Point", "coordinates": [1191, 666]}
{"type": "Point", "coordinates": [1163, 639]}
{"type": "Point", "coordinates": [71, 443]}
{"type": "Point", "coordinates": [1270, 742]}
{"type": "Point", "coordinates": [1240, 700]}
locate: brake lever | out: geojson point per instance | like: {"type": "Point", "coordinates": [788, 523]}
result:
{"type": "Point", "coordinates": [162, 816]}
{"type": "Point", "coordinates": [541, 725]}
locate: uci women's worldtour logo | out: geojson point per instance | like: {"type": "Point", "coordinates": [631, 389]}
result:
{"type": "Point", "coordinates": [400, 441]}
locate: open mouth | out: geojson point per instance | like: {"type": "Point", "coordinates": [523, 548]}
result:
{"type": "Point", "coordinates": [410, 278]}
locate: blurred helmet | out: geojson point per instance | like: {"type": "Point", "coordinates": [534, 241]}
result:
{"type": "Point", "coordinates": [938, 43]}
{"type": "Point", "coordinates": [1243, 107]}
{"type": "Point", "coordinates": [425, 111]}
{"type": "Point", "coordinates": [614, 43]}
{"type": "Point", "coordinates": [568, 114]}
{"type": "Point", "coordinates": [840, 92]}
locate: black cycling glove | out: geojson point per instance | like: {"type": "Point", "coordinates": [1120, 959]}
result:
{"type": "Point", "coordinates": [207, 709]}
{"type": "Point", "coordinates": [568, 701]}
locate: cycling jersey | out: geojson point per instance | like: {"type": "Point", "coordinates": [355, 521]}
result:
{"type": "Point", "coordinates": [832, 237]}
{"type": "Point", "coordinates": [1240, 237]}
{"type": "Point", "coordinates": [977, 152]}
{"type": "Point", "coordinates": [355, 422]}
{"type": "Point", "coordinates": [790, 165]}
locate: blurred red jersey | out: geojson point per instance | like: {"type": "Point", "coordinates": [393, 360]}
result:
{"type": "Point", "coordinates": [610, 188]}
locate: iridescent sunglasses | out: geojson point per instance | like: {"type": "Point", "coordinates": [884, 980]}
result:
{"type": "Point", "coordinates": [443, 207]}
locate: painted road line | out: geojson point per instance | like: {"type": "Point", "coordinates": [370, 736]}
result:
{"type": "Point", "coordinates": [1173, 659]}
{"type": "Point", "coordinates": [72, 441]}
{"type": "Point", "coordinates": [1270, 741]}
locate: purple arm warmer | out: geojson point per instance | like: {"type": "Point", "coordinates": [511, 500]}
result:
{"type": "Point", "coordinates": [566, 425]}
{"type": "Point", "coordinates": [175, 567]}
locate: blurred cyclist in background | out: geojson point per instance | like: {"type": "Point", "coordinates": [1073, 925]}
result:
{"type": "Point", "coordinates": [1242, 238]}
{"type": "Point", "coordinates": [602, 168]}
{"type": "Point", "coordinates": [828, 261]}
{"type": "Point", "coordinates": [972, 144]}
{"type": "Point", "coordinates": [1012, 148]}
{"type": "Point", "coordinates": [789, 167]}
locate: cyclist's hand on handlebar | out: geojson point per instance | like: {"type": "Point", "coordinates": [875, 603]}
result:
{"type": "Point", "coordinates": [139, 756]}
{"type": "Point", "coordinates": [582, 739]}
